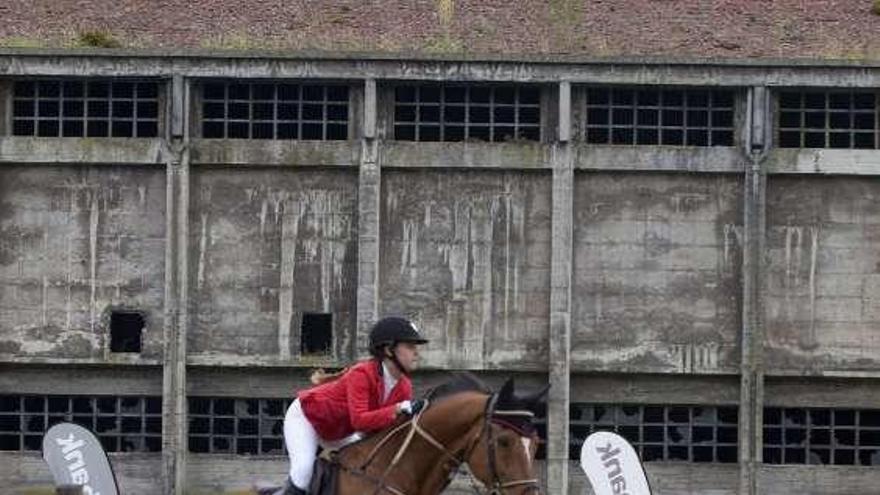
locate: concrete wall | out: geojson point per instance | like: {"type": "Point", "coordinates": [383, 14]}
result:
{"type": "Point", "coordinates": [75, 242]}
{"type": "Point", "coordinates": [676, 270]}
{"type": "Point", "coordinates": [268, 245]}
{"type": "Point", "coordinates": [823, 273]}
{"type": "Point", "coordinates": [657, 270]}
{"type": "Point", "coordinates": [466, 254]}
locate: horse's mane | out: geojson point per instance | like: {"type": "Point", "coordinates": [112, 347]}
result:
{"type": "Point", "coordinates": [460, 382]}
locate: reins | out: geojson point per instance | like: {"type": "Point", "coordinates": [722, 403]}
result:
{"type": "Point", "coordinates": [413, 429]}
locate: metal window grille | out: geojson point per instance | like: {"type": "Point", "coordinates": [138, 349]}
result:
{"type": "Point", "coordinates": [237, 426]}
{"type": "Point", "coordinates": [691, 117]}
{"type": "Point", "coordinates": [275, 111]}
{"type": "Point", "coordinates": [828, 119]}
{"type": "Point", "coordinates": [122, 423]}
{"type": "Point", "coordinates": [85, 108]}
{"type": "Point", "coordinates": [661, 433]}
{"type": "Point", "coordinates": [439, 112]}
{"type": "Point", "coordinates": [821, 436]}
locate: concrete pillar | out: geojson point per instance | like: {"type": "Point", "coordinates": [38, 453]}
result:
{"type": "Point", "coordinates": [174, 409]}
{"type": "Point", "coordinates": [560, 301]}
{"type": "Point", "coordinates": [751, 405]}
{"type": "Point", "coordinates": [369, 195]}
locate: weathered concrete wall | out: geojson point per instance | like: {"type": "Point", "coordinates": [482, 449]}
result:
{"type": "Point", "coordinates": [823, 274]}
{"type": "Point", "coordinates": [75, 242]}
{"type": "Point", "coordinates": [656, 272]}
{"type": "Point", "coordinates": [467, 254]}
{"type": "Point", "coordinates": [266, 246]}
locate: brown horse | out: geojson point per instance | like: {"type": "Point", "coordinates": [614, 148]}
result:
{"type": "Point", "coordinates": [464, 423]}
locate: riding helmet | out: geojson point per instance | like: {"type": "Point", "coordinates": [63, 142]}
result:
{"type": "Point", "coordinates": [391, 330]}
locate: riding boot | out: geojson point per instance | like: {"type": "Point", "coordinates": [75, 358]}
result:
{"type": "Point", "coordinates": [290, 489]}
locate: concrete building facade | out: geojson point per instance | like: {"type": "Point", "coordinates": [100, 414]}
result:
{"type": "Point", "coordinates": [685, 249]}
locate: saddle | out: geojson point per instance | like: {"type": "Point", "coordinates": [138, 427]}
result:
{"type": "Point", "coordinates": [325, 475]}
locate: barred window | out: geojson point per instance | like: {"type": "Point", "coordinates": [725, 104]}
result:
{"type": "Point", "coordinates": [661, 433]}
{"type": "Point", "coordinates": [457, 112]}
{"type": "Point", "coordinates": [821, 436]}
{"type": "Point", "coordinates": [121, 423]}
{"type": "Point", "coordinates": [691, 117]}
{"type": "Point", "coordinates": [237, 426]}
{"type": "Point", "coordinates": [828, 119]}
{"type": "Point", "coordinates": [275, 111]}
{"type": "Point", "coordinates": [85, 108]}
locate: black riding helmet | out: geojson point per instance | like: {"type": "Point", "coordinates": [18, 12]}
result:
{"type": "Point", "coordinates": [391, 330]}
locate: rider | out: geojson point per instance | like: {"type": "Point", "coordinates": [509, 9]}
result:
{"type": "Point", "coordinates": [367, 397]}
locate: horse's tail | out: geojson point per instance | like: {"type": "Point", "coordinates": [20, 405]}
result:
{"type": "Point", "coordinates": [320, 376]}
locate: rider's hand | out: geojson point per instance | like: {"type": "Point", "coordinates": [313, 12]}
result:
{"type": "Point", "coordinates": [417, 406]}
{"type": "Point", "coordinates": [410, 408]}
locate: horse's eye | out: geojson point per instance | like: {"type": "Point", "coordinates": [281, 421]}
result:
{"type": "Point", "coordinates": [504, 442]}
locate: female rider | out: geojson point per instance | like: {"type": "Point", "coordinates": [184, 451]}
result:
{"type": "Point", "coordinates": [367, 397]}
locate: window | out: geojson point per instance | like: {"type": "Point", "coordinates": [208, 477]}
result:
{"type": "Point", "coordinates": [661, 433]}
{"type": "Point", "coordinates": [237, 426]}
{"type": "Point", "coordinates": [122, 424]}
{"type": "Point", "coordinates": [85, 108]}
{"type": "Point", "coordinates": [827, 119]}
{"type": "Point", "coordinates": [268, 110]}
{"type": "Point", "coordinates": [126, 329]}
{"type": "Point", "coordinates": [447, 112]}
{"type": "Point", "coordinates": [691, 117]}
{"type": "Point", "coordinates": [316, 335]}
{"type": "Point", "coordinates": [821, 436]}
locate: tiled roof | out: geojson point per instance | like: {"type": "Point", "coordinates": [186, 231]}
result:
{"type": "Point", "coordinates": [816, 29]}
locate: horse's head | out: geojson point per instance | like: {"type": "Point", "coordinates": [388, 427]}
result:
{"type": "Point", "coordinates": [503, 454]}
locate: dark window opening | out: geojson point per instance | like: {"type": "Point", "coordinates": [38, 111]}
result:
{"type": "Point", "coordinates": [821, 436]}
{"type": "Point", "coordinates": [827, 119]}
{"type": "Point", "coordinates": [122, 424]}
{"type": "Point", "coordinates": [275, 111]}
{"type": "Point", "coordinates": [85, 108]}
{"type": "Point", "coordinates": [460, 112]}
{"type": "Point", "coordinates": [647, 116]}
{"type": "Point", "coordinates": [661, 433]}
{"type": "Point", "coordinates": [236, 426]}
{"type": "Point", "coordinates": [126, 331]}
{"type": "Point", "coordinates": [316, 333]}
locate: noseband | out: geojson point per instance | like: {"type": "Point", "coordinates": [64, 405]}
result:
{"type": "Point", "coordinates": [496, 487]}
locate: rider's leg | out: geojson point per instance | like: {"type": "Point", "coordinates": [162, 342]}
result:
{"type": "Point", "coordinates": [301, 440]}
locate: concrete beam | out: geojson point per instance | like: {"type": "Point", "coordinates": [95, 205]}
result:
{"type": "Point", "coordinates": [823, 162]}
{"type": "Point", "coordinates": [622, 71]}
{"type": "Point", "coordinates": [560, 306]}
{"type": "Point", "coordinates": [116, 151]}
{"type": "Point", "coordinates": [466, 155]}
{"type": "Point", "coordinates": [369, 197]}
{"type": "Point", "coordinates": [751, 405]}
{"type": "Point", "coordinates": [714, 159]}
{"type": "Point", "coordinates": [174, 403]}
{"type": "Point", "coordinates": [275, 153]}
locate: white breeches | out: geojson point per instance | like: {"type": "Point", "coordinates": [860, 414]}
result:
{"type": "Point", "coordinates": [302, 442]}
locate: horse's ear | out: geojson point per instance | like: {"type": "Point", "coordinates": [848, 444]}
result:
{"type": "Point", "coordinates": [507, 389]}
{"type": "Point", "coordinates": [535, 398]}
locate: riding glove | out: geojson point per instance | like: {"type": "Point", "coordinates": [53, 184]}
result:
{"type": "Point", "coordinates": [411, 407]}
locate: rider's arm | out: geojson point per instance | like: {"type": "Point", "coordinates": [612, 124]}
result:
{"type": "Point", "coordinates": [358, 392]}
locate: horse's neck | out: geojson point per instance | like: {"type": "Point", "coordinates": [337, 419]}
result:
{"type": "Point", "coordinates": [450, 422]}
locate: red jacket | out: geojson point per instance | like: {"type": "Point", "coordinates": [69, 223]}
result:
{"type": "Point", "coordinates": [353, 402]}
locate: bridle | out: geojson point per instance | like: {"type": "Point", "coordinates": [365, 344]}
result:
{"type": "Point", "coordinates": [496, 487]}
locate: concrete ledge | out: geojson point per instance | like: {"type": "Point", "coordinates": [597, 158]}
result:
{"type": "Point", "coordinates": [277, 153]}
{"type": "Point", "coordinates": [255, 64]}
{"type": "Point", "coordinates": [404, 154]}
{"type": "Point", "coordinates": [655, 389]}
{"type": "Point", "coordinates": [800, 480]}
{"type": "Point", "coordinates": [80, 151]}
{"type": "Point", "coordinates": [824, 161]}
{"type": "Point", "coordinates": [659, 158]}
{"type": "Point", "coordinates": [113, 361]}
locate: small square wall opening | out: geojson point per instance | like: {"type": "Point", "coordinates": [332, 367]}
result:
{"type": "Point", "coordinates": [126, 331]}
{"type": "Point", "coordinates": [316, 333]}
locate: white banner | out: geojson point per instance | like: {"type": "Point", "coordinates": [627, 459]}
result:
{"type": "Point", "coordinates": [76, 457]}
{"type": "Point", "coordinates": [612, 465]}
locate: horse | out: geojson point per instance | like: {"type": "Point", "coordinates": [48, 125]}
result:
{"type": "Point", "coordinates": [463, 423]}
